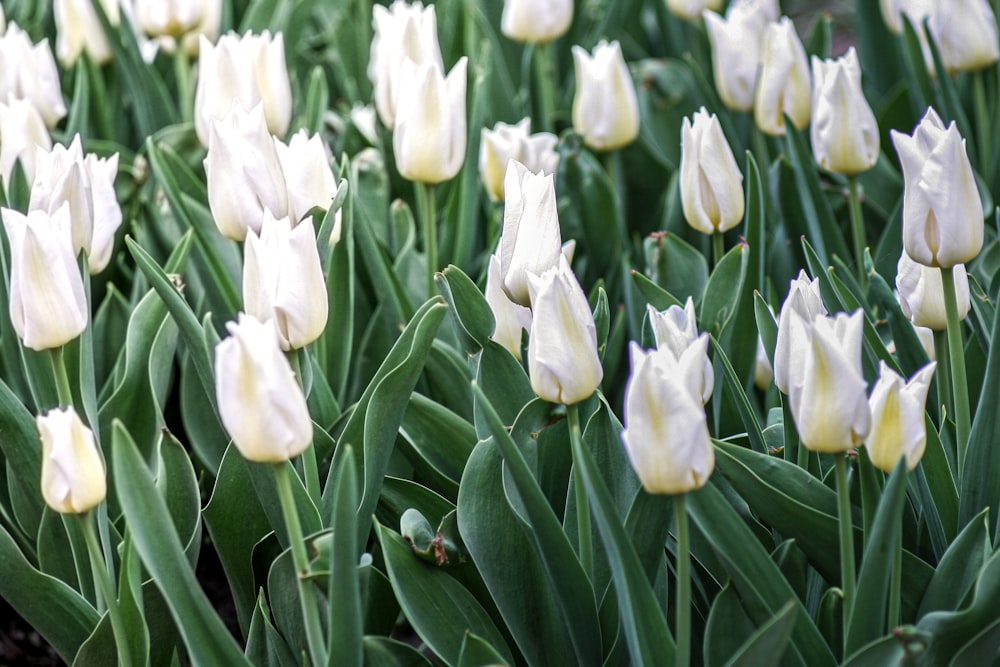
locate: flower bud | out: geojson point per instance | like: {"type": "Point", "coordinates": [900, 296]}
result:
{"type": "Point", "coordinates": [921, 293]}
{"type": "Point", "coordinates": [402, 31]}
{"type": "Point", "coordinates": [666, 432]}
{"type": "Point", "coordinates": [530, 241]}
{"type": "Point", "coordinates": [511, 319]}
{"type": "Point", "coordinates": [47, 303]}
{"type": "Point", "coordinates": [783, 85]}
{"type": "Point", "coordinates": [844, 132]}
{"type": "Point", "coordinates": [898, 424]}
{"type": "Point", "coordinates": [78, 29]}
{"type": "Point", "coordinates": [506, 142]}
{"type": "Point", "coordinates": [243, 174]}
{"type": "Point", "coordinates": [735, 42]}
{"type": "Point", "coordinates": [763, 372]}
{"type": "Point", "coordinates": [801, 306]}
{"type": "Point", "coordinates": [711, 182]}
{"type": "Point", "coordinates": [828, 401]}
{"type": "Point", "coordinates": [563, 363]}
{"type": "Point", "coordinates": [179, 22]}
{"type": "Point", "coordinates": [764, 11]}
{"type": "Point", "coordinates": [28, 72]}
{"type": "Point", "coordinates": [22, 133]}
{"type": "Point", "coordinates": [536, 21]}
{"type": "Point", "coordinates": [942, 212]}
{"type": "Point", "coordinates": [429, 137]}
{"type": "Point", "coordinates": [73, 476]}
{"type": "Point", "coordinates": [692, 9]}
{"type": "Point", "coordinates": [283, 281]}
{"type": "Point", "coordinates": [676, 331]}
{"type": "Point", "coordinates": [260, 402]}
{"type": "Point", "coordinates": [250, 70]}
{"type": "Point", "coordinates": [605, 107]}
{"type": "Point", "coordinates": [965, 32]}
{"type": "Point", "coordinates": [915, 10]}
{"type": "Point", "coordinates": [309, 179]}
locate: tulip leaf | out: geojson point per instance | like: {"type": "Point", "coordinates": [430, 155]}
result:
{"type": "Point", "coordinates": [399, 495]}
{"type": "Point", "coordinates": [440, 609]}
{"type": "Point", "coordinates": [147, 516]}
{"type": "Point", "coordinates": [387, 652]}
{"type": "Point", "coordinates": [440, 440]}
{"type": "Point", "coordinates": [728, 627]}
{"type": "Point", "coordinates": [346, 616]}
{"type": "Point", "coordinates": [336, 346]}
{"type": "Point", "coordinates": [739, 395]}
{"type": "Point", "coordinates": [477, 652]}
{"type": "Point", "coordinates": [723, 291]}
{"type": "Point", "coordinates": [265, 645]}
{"type": "Point", "coordinates": [903, 647]}
{"type": "Point", "coordinates": [769, 642]}
{"type": "Point", "coordinates": [23, 455]}
{"type": "Point", "coordinates": [473, 313]}
{"type": "Point", "coordinates": [959, 568]}
{"type": "Point", "coordinates": [385, 280]}
{"type": "Point", "coordinates": [767, 328]}
{"type": "Point", "coordinates": [676, 266]}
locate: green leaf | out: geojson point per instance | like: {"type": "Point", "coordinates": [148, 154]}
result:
{"type": "Point", "coordinates": [207, 640]}
{"type": "Point", "coordinates": [473, 314]}
{"type": "Point", "coordinates": [336, 347]}
{"type": "Point", "coordinates": [265, 645]}
{"type": "Point", "coordinates": [723, 291]}
{"type": "Point", "coordinates": [727, 629]}
{"type": "Point", "coordinates": [769, 642]}
{"type": "Point", "coordinates": [441, 440]}
{"type": "Point", "coordinates": [386, 652]}
{"type": "Point", "coordinates": [958, 568]}
{"type": "Point", "coordinates": [23, 454]}
{"type": "Point", "coordinates": [346, 615]}
{"type": "Point", "coordinates": [477, 652]}
{"type": "Point", "coordinates": [747, 415]}
{"type": "Point", "coordinates": [675, 266]}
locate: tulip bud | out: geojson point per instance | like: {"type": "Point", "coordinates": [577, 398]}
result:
{"type": "Point", "coordinates": [402, 32]}
{"type": "Point", "coordinates": [735, 42]}
{"type": "Point", "coordinates": [28, 72]}
{"type": "Point", "coordinates": [676, 331]}
{"type": "Point", "coordinates": [800, 308]}
{"type": "Point", "coordinates": [260, 402]}
{"type": "Point", "coordinates": [965, 32]}
{"type": "Point", "coordinates": [536, 21]}
{"type": "Point", "coordinates": [283, 280]}
{"type": "Point", "coordinates": [783, 85]}
{"type": "Point", "coordinates": [243, 174]}
{"type": "Point", "coordinates": [926, 337]}
{"type": "Point", "coordinates": [22, 133]}
{"type": "Point", "coordinates": [666, 431]}
{"type": "Point", "coordinates": [530, 241]}
{"type": "Point", "coordinates": [711, 182]}
{"type": "Point", "coordinates": [898, 424]}
{"type": "Point", "coordinates": [844, 132]}
{"type": "Point", "coordinates": [605, 107]}
{"type": "Point", "coordinates": [828, 401]}
{"type": "Point", "coordinates": [692, 9]}
{"type": "Point", "coordinates": [563, 363]}
{"type": "Point", "coordinates": [921, 293]}
{"type": "Point", "coordinates": [765, 11]}
{"type": "Point", "coordinates": [915, 10]}
{"type": "Point", "coordinates": [305, 167]}
{"type": "Point", "coordinates": [183, 22]}
{"type": "Point", "coordinates": [506, 142]}
{"type": "Point", "coordinates": [78, 29]}
{"type": "Point", "coordinates": [73, 477]}
{"type": "Point", "coordinates": [511, 319]}
{"type": "Point", "coordinates": [429, 137]}
{"type": "Point", "coordinates": [250, 70]}
{"type": "Point", "coordinates": [47, 303]}
{"type": "Point", "coordinates": [942, 212]}
{"type": "Point", "coordinates": [763, 372]}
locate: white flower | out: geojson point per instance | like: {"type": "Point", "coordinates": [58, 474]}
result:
{"type": "Point", "coordinates": [783, 85]}
{"type": "Point", "coordinates": [28, 72]}
{"type": "Point", "coordinates": [844, 132]}
{"type": "Point", "coordinates": [22, 133]}
{"type": "Point", "coordinates": [511, 319]}
{"type": "Point", "coordinates": [536, 21]}
{"type": "Point", "coordinates": [73, 476]}
{"type": "Point", "coordinates": [605, 107]}
{"type": "Point", "coordinates": [78, 29]}
{"type": "Point", "coordinates": [898, 422]}
{"type": "Point", "coordinates": [676, 331]}
{"type": "Point", "coordinates": [497, 147]}
{"type": "Point", "coordinates": [800, 307]}
{"type": "Point", "coordinates": [921, 293]}
{"type": "Point", "coordinates": [711, 182]}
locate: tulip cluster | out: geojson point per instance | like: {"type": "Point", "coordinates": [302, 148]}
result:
{"type": "Point", "coordinates": [965, 31]}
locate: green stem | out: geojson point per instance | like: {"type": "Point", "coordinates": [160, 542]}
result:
{"type": "Point", "coordinates": [983, 123]}
{"type": "Point", "coordinates": [428, 219]}
{"type": "Point", "coordinates": [683, 615]}
{"type": "Point", "coordinates": [107, 589]}
{"type": "Point", "coordinates": [759, 145]}
{"type": "Point", "coordinates": [583, 531]}
{"type": "Point", "coordinates": [310, 468]}
{"type": "Point", "coordinates": [956, 355]}
{"type": "Point", "coordinates": [896, 578]}
{"type": "Point", "coordinates": [616, 170]}
{"type": "Point", "coordinates": [943, 374]}
{"type": "Point", "coordinates": [182, 75]}
{"type": "Point", "coordinates": [307, 599]}
{"type": "Point", "coordinates": [857, 228]}
{"type": "Point", "coordinates": [847, 575]}
{"type": "Point", "coordinates": [63, 390]}
{"type": "Point", "coordinates": [524, 93]}
{"type": "Point", "coordinates": [545, 79]}
{"type": "Point", "coordinates": [718, 248]}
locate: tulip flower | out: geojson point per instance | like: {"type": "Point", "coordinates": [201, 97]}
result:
{"type": "Point", "coordinates": [250, 70]}
{"type": "Point", "coordinates": [692, 9]}
{"type": "Point", "coordinates": [844, 132]}
{"type": "Point", "coordinates": [736, 42]}
{"type": "Point", "coordinates": [765, 11]}
{"type": "Point", "coordinates": [402, 31]}
{"type": "Point", "coordinates": [915, 10]}
{"type": "Point", "coordinates": [763, 372]}
{"type": "Point", "coordinates": [87, 183]}
{"type": "Point", "coordinates": [305, 168]}
{"type": "Point", "coordinates": [942, 212]}
{"type": "Point", "coordinates": [283, 280]}
{"type": "Point", "coordinates": [783, 85]}
{"type": "Point", "coordinates": [173, 23]}
{"type": "Point", "coordinates": [73, 476]}
{"type": "Point", "coordinates": [536, 21]}
{"type": "Point", "coordinates": [711, 182]}
{"type": "Point", "coordinates": [676, 331]}
{"type": "Point", "coordinates": [22, 133]}
{"type": "Point", "coordinates": [828, 401]}
{"type": "Point", "coordinates": [605, 107]}
{"type": "Point", "coordinates": [497, 147]}
{"type": "Point", "coordinates": [429, 137]}
{"type": "Point", "coordinates": [511, 319]}
{"type": "Point", "coordinates": [563, 363]}
{"type": "Point", "coordinates": [666, 432]}
{"type": "Point", "coordinates": [48, 307]}
{"type": "Point", "coordinates": [530, 241]}
{"type": "Point", "coordinates": [28, 72]}
{"type": "Point", "coordinates": [801, 306]}
{"type": "Point", "coordinates": [965, 32]}
{"type": "Point", "coordinates": [898, 425]}
{"type": "Point", "coordinates": [78, 29]}
{"type": "Point", "coordinates": [243, 173]}
{"type": "Point", "coordinates": [921, 293]}
{"type": "Point", "coordinates": [260, 402]}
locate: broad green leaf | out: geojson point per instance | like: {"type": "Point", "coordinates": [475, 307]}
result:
{"type": "Point", "coordinates": [769, 642]}
{"type": "Point", "coordinates": [958, 568]}
{"type": "Point", "coordinates": [728, 627]}
{"type": "Point", "coordinates": [387, 652]}
{"type": "Point", "coordinates": [504, 380]}
{"type": "Point", "coordinates": [346, 615]}
{"type": "Point", "coordinates": [468, 305]}
{"type": "Point", "coordinates": [675, 266]}
{"type": "Point", "coordinates": [735, 387]}
{"type": "Point", "coordinates": [723, 291]}
{"type": "Point", "coordinates": [477, 652]}
{"type": "Point", "coordinates": [441, 440]}
{"type": "Point", "coordinates": [23, 454]}
{"type": "Point", "coordinates": [399, 495]}
{"type": "Point", "coordinates": [265, 645]}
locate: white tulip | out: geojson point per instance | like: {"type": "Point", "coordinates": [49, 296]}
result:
{"type": "Point", "coordinates": [735, 41]}
{"type": "Point", "coordinates": [676, 331]}
{"type": "Point", "coordinates": [844, 132]}
{"type": "Point", "coordinates": [783, 85]}
{"type": "Point", "coordinates": [511, 319]}
{"type": "Point", "coordinates": [22, 133]}
{"type": "Point", "coordinates": [78, 29]}
{"type": "Point", "coordinates": [711, 181]}
{"type": "Point", "coordinates": [800, 307]}
{"type": "Point", "coordinates": [497, 147]}
{"type": "Point", "coordinates": [536, 21]}
{"type": "Point", "coordinates": [73, 477]}
{"type": "Point", "coordinates": [309, 179]}
{"type": "Point", "coordinates": [28, 72]}
{"type": "Point", "coordinates": [898, 421]}
{"type": "Point", "coordinates": [921, 293]}
{"type": "Point", "coordinates": [605, 107]}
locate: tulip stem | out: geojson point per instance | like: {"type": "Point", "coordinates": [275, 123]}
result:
{"type": "Point", "coordinates": [847, 575]}
{"type": "Point", "coordinates": [182, 76]}
{"type": "Point", "coordinates": [718, 248]}
{"type": "Point", "coordinates": [63, 390]}
{"type": "Point", "coordinates": [896, 578]}
{"type": "Point", "coordinates": [545, 77]}
{"type": "Point", "coordinates": [983, 121]}
{"type": "Point", "coordinates": [683, 615]}
{"type": "Point", "coordinates": [943, 374]}
{"type": "Point", "coordinates": [427, 211]}
{"type": "Point", "coordinates": [759, 145]}
{"type": "Point", "coordinates": [583, 532]}
{"type": "Point", "coordinates": [107, 589]}
{"type": "Point", "coordinates": [310, 470]}
{"type": "Point", "coordinates": [307, 599]}
{"type": "Point", "coordinates": [857, 228]}
{"type": "Point", "coordinates": [956, 356]}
